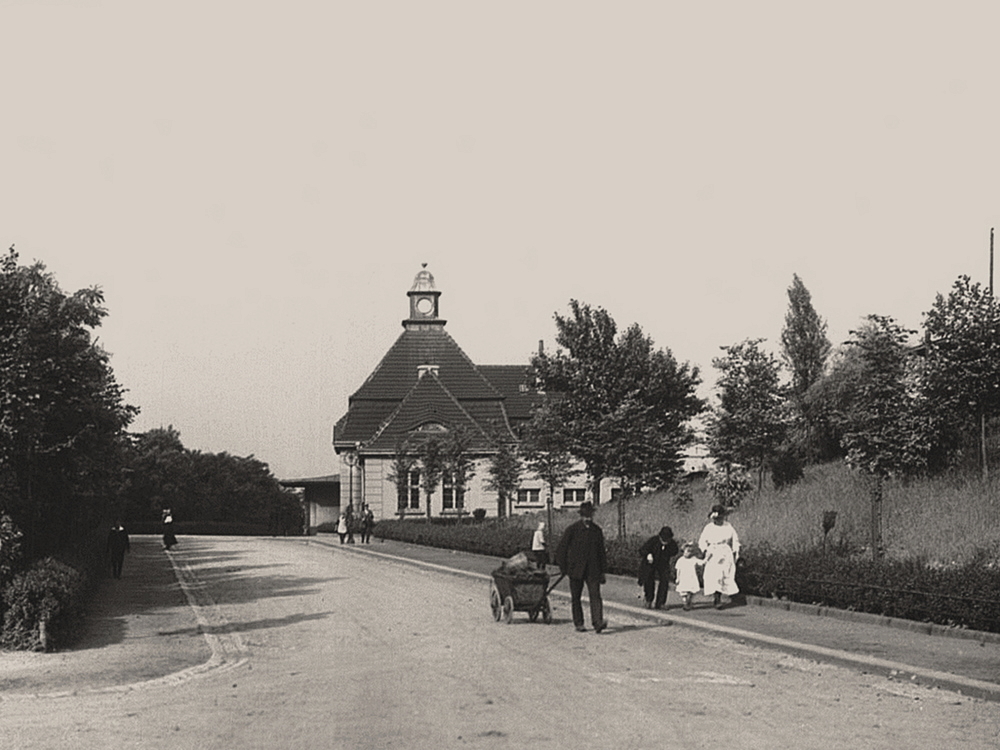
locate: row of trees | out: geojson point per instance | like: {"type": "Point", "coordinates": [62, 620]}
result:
{"type": "Point", "coordinates": [62, 414]}
{"type": "Point", "coordinates": [67, 462]}
{"type": "Point", "coordinates": [199, 487]}
{"type": "Point", "coordinates": [889, 403]}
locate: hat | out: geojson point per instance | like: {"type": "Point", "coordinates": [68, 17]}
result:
{"type": "Point", "coordinates": [666, 533]}
{"type": "Point", "coordinates": [587, 509]}
{"type": "Point", "coordinates": [717, 510]}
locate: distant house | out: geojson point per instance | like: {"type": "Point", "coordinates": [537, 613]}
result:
{"type": "Point", "coordinates": [320, 499]}
{"type": "Point", "coordinates": [426, 385]}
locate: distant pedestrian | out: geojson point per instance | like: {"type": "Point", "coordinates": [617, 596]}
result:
{"type": "Point", "coordinates": [581, 556]}
{"type": "Point", "coordinates": [349, 520]}
{"type": "Point", "coordinates": [722, 549]}
{"type": "Point", "coordinates": [116, 547]}
{"type": "Point", "coordinates": [342, 527]}
{"type": "Point", "coordinates": [687, 566]}
{"type": "Point", "coordinates": [169, 538]}
{"type": "Point", "coordinates": [656, 557]}
{"type": "Point", "coordinates": [367, 524]}
{"type": "Point", "coordinates": [539, 547]}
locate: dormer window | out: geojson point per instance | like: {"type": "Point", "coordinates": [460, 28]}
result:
{"type": "Point", "coordinates": [424, 369]}
{"type": "Point", "coordinates": [432, 427]}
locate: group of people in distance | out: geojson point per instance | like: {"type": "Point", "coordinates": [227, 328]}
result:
{"type": "Point", "coordinates": [708, 565]}
{"type": "Point", "coordinates": [345, 525]}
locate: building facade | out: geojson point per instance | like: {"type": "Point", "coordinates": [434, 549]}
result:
{"type": "Point", "coordinates": [426, 387]}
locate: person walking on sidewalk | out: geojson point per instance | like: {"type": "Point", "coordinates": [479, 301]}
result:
{"type": "Point", "coordinates": [722, 549]}
{"type": "Point", "coordinates": [367, 524]}
{"type": "Point", "coordinates": [656, 556]}
{"type": "Point", "coordinates": [582, 557]}
{"type": "Point", "coordinates": [539, 548]}
{"type": "Point", "coordinates": [117, 546]}
{"type": "Point", "coordinates": [342, 527]}
{"type": "Point", "coordinates": [687, 573]}
{"type": "Point", "coordinates": [169, 538]}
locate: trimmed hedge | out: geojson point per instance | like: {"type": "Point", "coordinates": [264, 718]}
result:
{"type": "Point", "coordinates": [43, 606]}
{"type": "Point", "coordinates": [963, 596]}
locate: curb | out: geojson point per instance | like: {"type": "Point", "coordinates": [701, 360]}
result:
{"type": "Point", "coordinates": [913, 626]}
{"type": "Point", "coordinates": [893, 671]}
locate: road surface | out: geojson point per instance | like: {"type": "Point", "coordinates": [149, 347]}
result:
{"type": "Point", "coordinates": [331, 648]}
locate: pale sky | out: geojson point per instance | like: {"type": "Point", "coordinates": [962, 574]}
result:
{"type": "Point", "coordinates": [254, 185]}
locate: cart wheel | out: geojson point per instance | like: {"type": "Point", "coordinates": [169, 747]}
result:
{"type": "Point", "coordinates": [508, 610]}
{"type": "Point", "coordinates": [546, 612]}
{"type": "Point", "coordinates": [495, 605]}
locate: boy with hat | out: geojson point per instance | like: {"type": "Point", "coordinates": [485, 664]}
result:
{"type": "Point", "coordinates": [656, 556]}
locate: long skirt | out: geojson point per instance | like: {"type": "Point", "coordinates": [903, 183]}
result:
{"type": "Point", "coordinates": [720, 570]}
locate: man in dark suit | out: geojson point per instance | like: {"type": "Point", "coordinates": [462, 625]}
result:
{"type": "Point", "coordinates": [581, 557]}
{"type": "Point", "coordinates": [657, 555]}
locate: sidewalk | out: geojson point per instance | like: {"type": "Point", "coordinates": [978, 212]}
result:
{"type": "Point", "coordinates": [964, 661]}
{"type": "Point", "coordinates": [139, 628]}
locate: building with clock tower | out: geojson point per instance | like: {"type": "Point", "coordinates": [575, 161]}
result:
{"type": "Point", "coordinates": [425, 387]}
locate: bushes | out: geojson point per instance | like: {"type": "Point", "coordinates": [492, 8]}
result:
{"type": "Point", "coordinates": [42, 606]}
{"type": "Point", "coordinates": [960, 595]}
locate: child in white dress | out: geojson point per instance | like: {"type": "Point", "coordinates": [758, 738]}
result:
{"type": "Point", "coordinates": [687, 573]}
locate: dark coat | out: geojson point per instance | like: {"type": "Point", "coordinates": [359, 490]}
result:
{"type": "Point", "coordinates": [117, 541]}
{"type": "Point", "coordinates": [581, 553]}
{"type": "Point", "coordinates": [663, 555]}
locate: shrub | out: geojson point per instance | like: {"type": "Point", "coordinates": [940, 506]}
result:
{"type": "Point", "coordinates": [42, 606]}
{"type": "Point", "coordinates": [479, 514]}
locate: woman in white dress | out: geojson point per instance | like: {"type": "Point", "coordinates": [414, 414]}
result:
{"type": "Point", "coordinates": [721, 545]}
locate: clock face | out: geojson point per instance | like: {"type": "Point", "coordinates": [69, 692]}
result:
{"type": "Point", "coordinates": [424, 305]}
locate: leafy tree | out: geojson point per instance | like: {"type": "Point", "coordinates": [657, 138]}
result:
{"type": "Point", "coordinates": [431, 453]}
{"type": "Point", "coordinates": [545, 447]}
{"type": "Point", "coordinates": [962, 374]}
{"type": "Point", "coordinates": [403, 463]}
{"type": "Point", "coordinates": [751, 420]}
{"type": "Point", "coordinates": [827, 402]}
{"type": "Point", "coordinates": [604, 379]}
{"type": "Point", "coordinates": [888, 431]}
{"type": "Point", "coordinates": [62, 414]}
{"type": "Point", "coordinates": [458, 466]}
{"type": "Point", "coordinates": [504, 475]}
{"type": "Point", "coordinates": [805, 346]}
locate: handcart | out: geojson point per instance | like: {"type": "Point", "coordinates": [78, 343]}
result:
{"type": "Point", "coordinates": [521, 591]}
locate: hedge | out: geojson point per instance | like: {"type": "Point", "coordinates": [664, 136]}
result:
{"type": "Point", "coordinates": [43, 606]}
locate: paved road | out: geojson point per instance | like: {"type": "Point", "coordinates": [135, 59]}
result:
{"type": "Point", "coordinates": [288, 644]}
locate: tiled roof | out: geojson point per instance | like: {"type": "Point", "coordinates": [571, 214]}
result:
{"type": "Point", "coordinates": [513, 383]}
{"type": "Point", "coordinates": [427, 402]}
{"type": "Point", "coordinates": [396, 374]}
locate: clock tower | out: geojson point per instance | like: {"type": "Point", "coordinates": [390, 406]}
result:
{"type": "Point", "coordinates": [423, 302]}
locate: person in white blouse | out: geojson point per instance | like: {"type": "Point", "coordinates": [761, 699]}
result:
{"type": "Point", "coordinates": [721, 546]}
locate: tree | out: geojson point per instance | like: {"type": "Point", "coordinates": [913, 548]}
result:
{"type": "Point", "coordinates": [62, 414]}
{"type": "Point", "coordinates": [458, 466]}
{"type": "Point", "coordinates": [504, 475]}
{"type": "Point", "coordinates": [962, 374]}
{"type": "Point", "coordinates": [603, 380]}
{"type": "Point", "coordinates": [433, 462]}
{"type": "Point", "coordinates": [751, 420]}
{"type": "Point", "coordinates": [805, 346]}
{"type": "Point", "coordinates": [545, 447]}
{"type": "Point", "coordinates": [888, 432]}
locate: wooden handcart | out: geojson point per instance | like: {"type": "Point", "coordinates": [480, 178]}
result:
{"type": "Point", "coordinates": [521, 591]}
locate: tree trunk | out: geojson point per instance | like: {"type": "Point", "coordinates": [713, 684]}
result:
{"type": "Point", "coordinates": [876, 521]}
{"type": "Point", "coordinates": [982, 444]}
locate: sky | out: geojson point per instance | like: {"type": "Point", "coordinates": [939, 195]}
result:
{"type": "Point", "coordinates": [254, 185]}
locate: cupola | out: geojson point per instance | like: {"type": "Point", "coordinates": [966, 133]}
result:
{"type": "Point", "coordinates": [424, 300]}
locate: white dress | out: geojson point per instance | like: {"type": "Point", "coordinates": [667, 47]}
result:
{"type": "Point", "coordinates": [687, 575]}
{"type": "Point", "coordinates": [722, 547]}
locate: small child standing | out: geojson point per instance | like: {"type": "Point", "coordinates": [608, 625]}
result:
{"type": "Point", "coordinates": [687, 573]}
